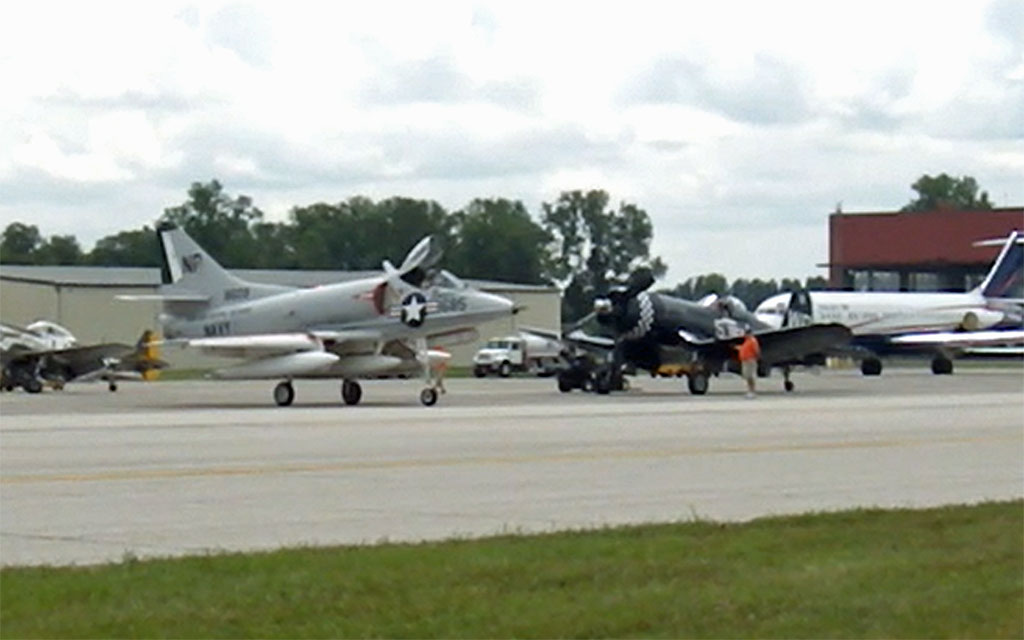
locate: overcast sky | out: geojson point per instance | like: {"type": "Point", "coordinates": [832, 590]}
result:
{"type": "Point", "coordinates": [738, 126]}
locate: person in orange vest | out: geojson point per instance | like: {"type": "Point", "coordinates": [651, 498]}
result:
{"type": "Point", "coordinates": [748, 352]}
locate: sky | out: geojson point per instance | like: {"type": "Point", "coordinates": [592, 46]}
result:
{"type": "Point", "coordinates": [738, 126]}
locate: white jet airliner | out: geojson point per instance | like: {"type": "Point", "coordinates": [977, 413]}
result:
{"type": "Point", "coordinates": [940, 323]}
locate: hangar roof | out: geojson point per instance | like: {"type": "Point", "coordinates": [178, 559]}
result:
{"type": "Point", "coordinates": [149, 277]}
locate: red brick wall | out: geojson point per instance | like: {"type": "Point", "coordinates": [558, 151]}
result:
{"type": "Point", "coordinates": [930, 239]}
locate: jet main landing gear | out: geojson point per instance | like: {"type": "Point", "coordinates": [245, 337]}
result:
{"type": "Point", "coordinates": [284, 393]}
{"type": "Point", "coordinates": [942, 366]}
{"type": "Point", "coordinates": [351, 392]}
{"type": "Point", "coordinates": [428, 396]}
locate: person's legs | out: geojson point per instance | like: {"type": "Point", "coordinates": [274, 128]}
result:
{"type": "Point", "coordinates": [749, 368]}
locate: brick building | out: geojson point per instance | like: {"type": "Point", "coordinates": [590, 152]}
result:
{"type": "Point", "coordinates": [915, 251]}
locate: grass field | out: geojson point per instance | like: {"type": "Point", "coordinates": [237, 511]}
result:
{"type": "Point", "coordinates": [954, 572]}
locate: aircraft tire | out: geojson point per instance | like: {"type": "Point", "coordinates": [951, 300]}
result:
{"type": "Point", "coordinates": [871, 366]}
{"type": "Point", "coordinates": [112, 386]}
{"type": "Point", "coordinates": [351, 392]}
{"type": "Point", "coordinates": [788, 386]}
{"type": "Point", "coordinates": [428, 397]}
{"type": "Point", "coordinates": [697, 383]}
{"type": "Point", "coordinates": [603, 384]}
{"type": "Point", "coordinates": [32, 385]}
{"type": "Point", "coordinates": [565, 385]}
{"type": "Point", "coordinates": [284, 394]}
{"type": "Point", "coordinates": [942, 366]}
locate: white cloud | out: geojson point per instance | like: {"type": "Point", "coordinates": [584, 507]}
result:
{"type": "Point", "coordinates": [736, 125]}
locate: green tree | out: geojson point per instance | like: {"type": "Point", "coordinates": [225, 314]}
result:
{"type": "Point", "coordinates": [697, 287]}
{"type": "Point", "coordinates": [816, 283]}
{"type": "Point", "coordinates": [137, 248]}
{"type": "Point", "coordinates": [61, 250]}
{"type": "Point", "coordinates": [358, 234]}
{"type": "Point", "coordinates": [946, 192]}
{"type": "Point", "coordinates": [275, 246]}
{"type": "Point", "coordinates": [406, 222]}
{"type": "Point", "coordinates": [219, 223]}
{"type": "Point", "coordinates": [321, 236]}
{"type": "Point", "coordinates": [20, 243]}
{"type": "Point", "coordinates": [496, 239]}
{"type": "Point", "coordinates": [594, 246]}
{"type": "Point", "coordinates": [752, 292]}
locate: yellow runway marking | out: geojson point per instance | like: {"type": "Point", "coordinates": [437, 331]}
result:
{"type": "Point", "coordinates": [582, 456]}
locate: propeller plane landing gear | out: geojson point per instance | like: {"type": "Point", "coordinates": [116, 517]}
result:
{"type": "Point", "coordinates": [787, 384]}
{"type": "Point", "coordinates": [697, 382]}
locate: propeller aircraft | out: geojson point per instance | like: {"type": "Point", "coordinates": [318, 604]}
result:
{"type": "Point", "coordinates": [665, 335]}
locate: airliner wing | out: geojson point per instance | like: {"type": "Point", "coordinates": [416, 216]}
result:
{"type": "Point", "coordinates": [963, 338]}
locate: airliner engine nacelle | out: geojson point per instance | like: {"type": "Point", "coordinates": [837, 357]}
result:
{"type": "Point", "coordinates": [981, 318]}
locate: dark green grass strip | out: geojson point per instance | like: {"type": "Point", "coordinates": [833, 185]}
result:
{"type": "Point", "coordinates": [955, 572]}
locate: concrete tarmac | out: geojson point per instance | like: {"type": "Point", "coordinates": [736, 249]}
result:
{"type": "Point", "coordinates": [174, 468]}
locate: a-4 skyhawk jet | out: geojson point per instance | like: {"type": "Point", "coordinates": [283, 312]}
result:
{"type": "Point", "coordinates": [386, 325]}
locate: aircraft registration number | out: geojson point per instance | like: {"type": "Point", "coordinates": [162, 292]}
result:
{"type": "Point", "coordinates": [451, 303]}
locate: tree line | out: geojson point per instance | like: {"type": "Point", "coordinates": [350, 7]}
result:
{"type": "Point", "coordinates": [581, 243]}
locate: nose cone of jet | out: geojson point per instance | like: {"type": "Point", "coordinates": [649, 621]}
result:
{"type": "Point", "coordinates": [493, 305]}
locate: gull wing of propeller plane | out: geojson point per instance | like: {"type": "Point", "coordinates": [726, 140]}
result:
{"type": "Point", "coordinates": [670, 336]}
{"type": "Point", "coordinates": [393, 324]}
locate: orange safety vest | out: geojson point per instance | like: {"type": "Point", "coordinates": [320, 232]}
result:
{"type": "Point", "coordinates": [749, 349]}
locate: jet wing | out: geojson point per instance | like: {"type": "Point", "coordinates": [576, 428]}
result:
{"type": "Point", "coordinates": [251, 346]}
{"type": "Point", "coordinates": [269, 344]}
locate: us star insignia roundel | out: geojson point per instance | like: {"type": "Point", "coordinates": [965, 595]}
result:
{"type": "Point", "coordinates": [414, 309]}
